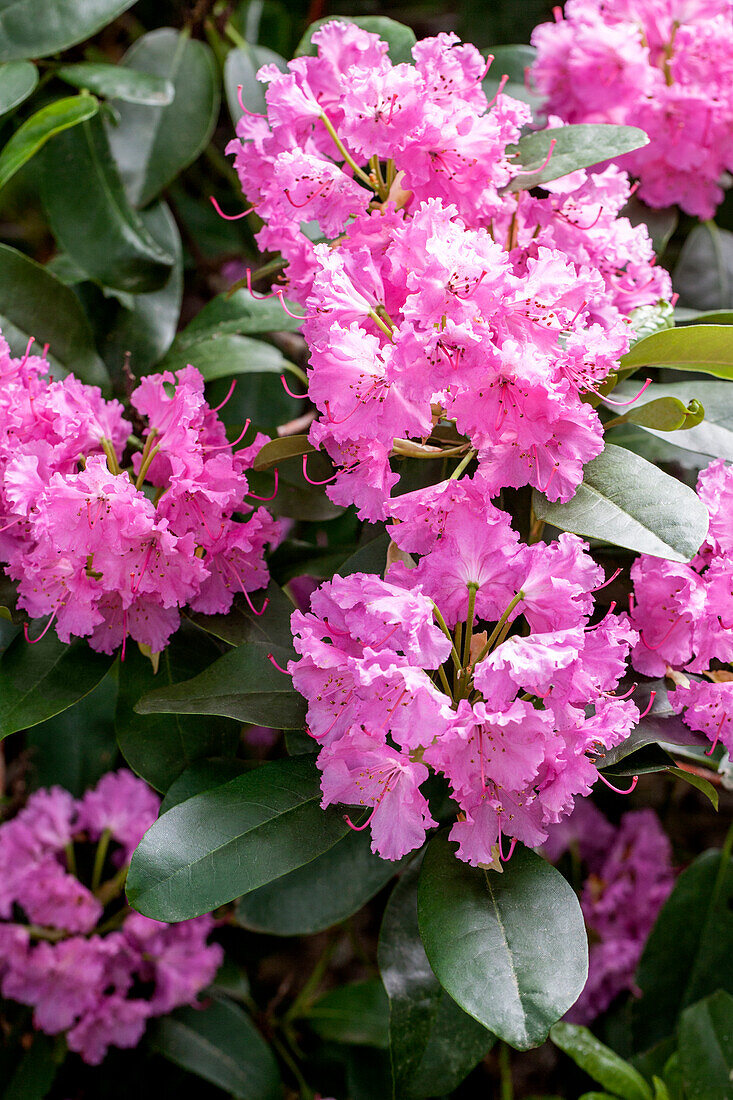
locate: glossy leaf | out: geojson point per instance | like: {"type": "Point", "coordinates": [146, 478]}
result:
{"type": "Point", "coordinates": [578, 146]}
{"type": "Point", "coordinates": [687, 955]}
{"type": "Point", "coordinates": [220, 1044]}
{"type": "Point", "coordinates": [369, 558]}
{"type": "Point", "coordinates": [36, 28]}
{"type": "Point", "coordinates": [704, 786]}
{"type": "Point", "coordinates": [240, 624]}
{"type": "Point", "coordinates": [434, 1044]}
{"type": "Point", "coordinates": [356, 1013]}
{"type": "Point", "coordinates": [399, 38]}
{"type": "Point", "coordinates": [706, 1048]}
{"type": "Point", "coordinates": [665, 414]}
{"type": "Point", "coordinates": [626, 501]}
{"type": "Point", "coordinates": [510, 948]}
{"type": "Point", "coordinates": [95, 223]}
{"type": "Point", "coordinates": [227, 355]}
{"type": "Point", "coordinates": [600, 1062]}
{"type": "Point", "coordinates": [714, 435]}
{"type": "Point", "coordinates": [240, 70]}
{"type": "Point", "coordinates": [204, 775]}
{"type": "Point", "coordinates": [152, 145]}
{"type": "Point", "coordinates": [38, 681]}
{"type": "Point", "coordinates": [119, 82]}
{"type": "Point", "coordinates": [160, 748]}
{"type": "Point", "coordinates": [278, 450]}
{"type": "Point", "coordinates": [242, 684]}
{"type": "Point", "coordinates": [703, 276]}
{"type": "Point", "coordinates": [18, 79]}
{"type": "Point", "coordinates": [237, 313]}
{"type": "Point", "coordinates": [705, 349]}
{"type": "Point", "coordinates": [320, 894]}
{"type": "Point", "coordinates": [225, 842]}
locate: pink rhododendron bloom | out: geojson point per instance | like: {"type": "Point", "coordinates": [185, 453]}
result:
{"type": "Point", "coordinates": [77, 977]}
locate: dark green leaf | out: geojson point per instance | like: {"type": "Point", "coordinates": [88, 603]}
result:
{"type": "Point", "coordinates": [370, 558]}
{"type": "Point", "coordinates": [699, 782]}
{"type": "Point", "coordinates": [703, 276]}
{"type": "Point", "coordinates": [509, 948]}
{"type": "Point", "coordinates": [78, 746]}
{"type": "Point", "coordinates": [705, 349]}
{"type": "Point", "coordinates": [35, 303]}
{"type": "Point", "coordinates": [433, 1043]}
{"type": "Point", "coordinates": [512, 61]}
{"type": "Point", "coordinates": [687, 955]}
{"type": "Point", "coordinates": [225, 842]}
{"type": "Point", "coordinates": [324, 892]}
{"type": "Point", "coordinates": [600, 1062]}
{"type": "Point", "coordinates": [628, 502]}
{"type": "Point", "coordinates": [574, 147]}
{"type": "Point", "coordinates": [714, 436]}
{"type": "Point", "coordinates": [38, 681]}
{"type": "Point", "coordinates": [153, 144]}
{"type": "Point", "coordinates": [118, 82]}
{"type": "Point", "coordinates": [661, 725]}
{"type": "Point", "coordinates": [357, 1013]}
{"type": "Point", "coordinates": [204, 775]}
{"type": "Point", "coordinates": [241, 625]}
{"type": "Point", "coordinates": [36, 28]}
{"type": "Point", "coordinates": [399, 38]}
{"type": "Point", "coordinates": [160, 748]}
{"type": "Point", "coordinates": [95, 223]}
{"type": "Point", "coordinates": [226, 355]}
{"type": "Point", "coordinates": [221, 1044]}
{"type": "Point", "coordinates": [147, 328]}
{"type": "Point", "coordinates": [18, 80]}
{"type": "Point", "coordinates": [705, 317]}
{"type": "Point", "coordinates": [242, 684]}
{"type": "Point", "coordinates": [278, 450]}
{"type": "Point", "coordinates": [237, 313]}
{"type": "Point", "coordinates": [240, 70]}
{"type": "Point", "coordinates": [36, 1072]}
{"type": "Point", "coordinates": [706, 1048]}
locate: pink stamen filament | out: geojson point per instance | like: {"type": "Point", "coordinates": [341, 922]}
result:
{"type": "Point", "coordinates": [360, 828]}
{"type": "Point", "coordinates": [611, 609]}
{"type": "Point", "coordinates": [608, 581]}
{"type": "Point", "coordinates": [618, 790]}
{"type": "Point", "coordinates": [543, 489]}
{"type": "Point", "coordinates": [623, 404]}
{"type": "Point", "coordinates": [32, 641]}
{"type": "Point", "coordinates": [279, 667]}
{"type": "Point", "coordinates": [229, 217]}
{"type": "Point", "coordinates": [310, 480]}
{"type": "Point", "coordinates": [472, 291]}
{"type": "Point", "coordinates": [246, 110]}
{"type": "Point", "coordinates": [512, 846]}
{"type": "Point", "coordinates": [240, 437]}
{"type": "Point", "coordinates": [725, 626]}
{"type": "Point", "coordinates": [313, 194]}
{"type": "Point", "coordinates": [545, 162]}
{"type": "Point", "coordinates": [661, 642]}
{"type": "Point", "coordinates": [487, 66]}
{"type": "Point", "coordinates": [136, 586]}
{"type": "Point", "coordinates": [498, 91]}
{"type": "Point", "coordinates": [711, 750]}
{"type": "Point", "coordinates": [272, 497]}
{"type": "Point", "coordinates": [124, 634]}
{"type": "Point", "coordinates": [223, 403]}
{"type": "Point", "coordinates": [626, 694]}
{"type": "Point", "coordinates": [652, 697]}
{"type": "Point", "coordinates": [245, 593]}
{"type": "Point", "coordinates": [11, 524]}
{"type": "Point", "coordinates": [289, 392]}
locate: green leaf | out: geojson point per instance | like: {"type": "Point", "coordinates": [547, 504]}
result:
{"type": "Point", "coordinates": [36, 28]}
{"type": "Point", "coordinates": [146, 330]}
{"type": "Point", "coordinates": [241, 625]}
{"type": "Point", "coordinates": [512, 61]}
{"type": "Point", "coordinates": [574, 147]}
{"type": "Point", "coordinates": [237, 313]}
{"type": "Point", "coordinates": [660, 223]}
{"type": "Point", "coordinates": [699, 782]}
{"type": "Point", "coordinates": [38, 681]}
{"type": "Point", "coordinates": [242, 684]}
{"type": "Point", "coordinates": [714, 436]}
{"type": "Point", "coordinates": [399, 38]}
{"type": "Point", "coordinates": [33, 302]}
{"type": "Point", "coordinates": [322, 893]}
{"type": "Point", "coordinates": [160, 748]}
{"type": "Point", "coordinates": [202, 776]}
{"type": "Point", "coordinates": [225, 842]}
{"type": "Point", "coordinates": [626, 501]}
{"type": "Point", "coordinates": [600, 1062]}
{"type": "Point", "coordinates": [509, 948]}
{"type": "Point", "coordinates": [705, 349]}
{"type": "Point", "coordinates": [706, 1048]}
{"type": "Point", "coordinates": [687, 955]}
{"type": "Point", "coordinates": [664, 414]}
{"type": "Point", "coordinates": [118, 82]}
{"type": "Point", "coordinates": [703, 276]}
{"type": "Point", "coordinates": [36, 1071]}
{"type": "Point", "coordinates": [227, 355]}
{"type": "Point", "coordinates": [434, 1044]}
{"type": "Point", "coordinates": [370, 558]}
{"type": "Point", "coordinates": [240, 69]}
{"type": "Point", "coordinates": [661, 725]}
{"type": "Point", "coordinates": [221, 1044]}
{"type": "Point", "coordinates": [278, 450]}
{"type": "Point", "coordinates": [152, 145]}
{"type": "Point", "coordinates": [75, 748]}
{"type": "Point", "coordinates": [18, 79]}
{"type": "Point", "coordinates": [357, 1013]}
{"type": "Point", "coordinates": [95, 224]}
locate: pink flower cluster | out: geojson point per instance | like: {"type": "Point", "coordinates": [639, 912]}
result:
{"type": "Point", "coordinates": [630, 877]}
{"type": "Point", "coordinates": [684, 614]}
{"type": "Point", "coordinates": [56, 953]}
{"type": "Point", "coordinates": [440, 309]}
{"type": "Point", "coordinates": [478, 663]}
{"type": "Point", "coordinates": [663, 65]}
{"type": "Point", "coordinates": [108, 553]}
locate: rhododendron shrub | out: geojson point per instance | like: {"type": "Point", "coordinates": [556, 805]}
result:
{"type": "Point", "coordinates": [381, 570]}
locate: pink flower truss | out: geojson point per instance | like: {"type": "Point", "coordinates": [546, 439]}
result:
{"type": "Point", "coordinates": [684, 615]}
{"type": "Point", "coordinates": [87, 544]}
{"type": "Point", "coordinates": [78, 979]}
{"type": "Point", "coordinates": [630, 877]}
{"type": "Point", "coordinates": [439, 301]}
{"type": "Point", "coordinates": [512, 723]}
{"type": "Point", "coordinates": [662, 65]}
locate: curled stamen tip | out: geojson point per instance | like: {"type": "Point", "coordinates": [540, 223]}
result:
{"type": "Point", "coordinates": [289, 392]}
{"type": "Point", "coordinates": [650, 704]}
{"type": "Point", "coordinates": [279, 667]}
{"type": "Point", "coordinates": [619, 790]}
{"type": "Point", "coordinates": [228, 217]}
